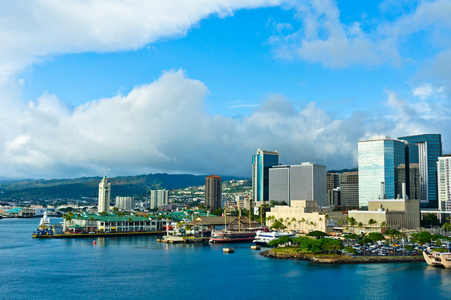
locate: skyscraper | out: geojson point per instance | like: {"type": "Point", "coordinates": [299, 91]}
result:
{"type": "Point", "coordinates": [306, 181]}
{"type": "Point", "coordinates": [429, 150]}
{"type": "Point", "coordinates": [261, 162]}
{"type": "Point", "coordinates": [213, 192]}
{"type": "Point", "coordinates": [378, 160]}
{"type": "Point", "coordinates": [444, 182]}
{"type": "Point", "coordinates": [104, 196]}
{"type": "Point", "coordinates": [349, 189]}
{"type": "Point", "coordinates": [158, 198]}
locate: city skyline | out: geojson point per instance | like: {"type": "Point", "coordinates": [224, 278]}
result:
{"type": "Point", "coordinates": [197, 86]}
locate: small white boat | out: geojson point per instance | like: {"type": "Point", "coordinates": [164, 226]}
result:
{"type": "Point", "coordinates": [263, 238]}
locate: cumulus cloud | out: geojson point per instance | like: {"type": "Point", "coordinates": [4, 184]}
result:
{"type": "Point", "coordinates": [159, 128]}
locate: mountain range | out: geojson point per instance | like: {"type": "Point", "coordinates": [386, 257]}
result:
{"type": "Point", "coordinates": [78, 188]}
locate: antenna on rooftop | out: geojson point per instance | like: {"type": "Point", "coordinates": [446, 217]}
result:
{"type": "Point", "coordinates": [105, 169]}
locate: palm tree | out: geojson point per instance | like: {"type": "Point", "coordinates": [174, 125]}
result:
{"type": "Point", "coordinates": [311, 223]}
{"type": "Point", "coordinates": [68, 218]}
{"type": "Point", "coordinates": [294, 221]}
{"type": "Point", "coordinates": [372, 221]}
{"type": "Point", "coordinates": [129, 221]}
{"type": "Point", "coordinates": [302, 221]}
{"type": "Point", "coordinates": [383, 224]}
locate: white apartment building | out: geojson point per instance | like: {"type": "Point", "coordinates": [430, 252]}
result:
{"type": "Point", "coordinates": [444, 182]}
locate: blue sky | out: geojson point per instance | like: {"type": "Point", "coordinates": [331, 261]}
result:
{"type": "Point", "coordinates": [198, 86]}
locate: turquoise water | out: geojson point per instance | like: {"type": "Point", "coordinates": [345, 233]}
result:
{"type": "Point", "coordinates": [140, 267]}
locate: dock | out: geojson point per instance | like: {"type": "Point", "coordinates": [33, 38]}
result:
{"type": "Point", "coordinates": [111, 234]}
{"type": "Point", "coordinates": [182, 239]}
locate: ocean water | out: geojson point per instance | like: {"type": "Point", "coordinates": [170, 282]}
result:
{"type": "Point", "coordinates": [142, 268]}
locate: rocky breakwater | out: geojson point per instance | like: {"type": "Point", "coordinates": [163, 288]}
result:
{"type": "Point", "coordinates": [340, 259]}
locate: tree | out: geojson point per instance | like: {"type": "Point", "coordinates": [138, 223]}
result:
{"type": "Point", "coordinates": [351, 221]}
{"type": "Point", "coordinates": [68, 217]}
{"type": "Point", "coordinates": [278, 225]}
{"type": "Point", "coordinates": [447, 226]}
{"type": "Point", "coordinates": [317, 234]}
{"type": "Point", "coordinates": [429, 220]}
{"type": "Point", "coordinates": [421, 237]}
{"type": "Point", "coordinates": [372, 221]}
{"type": "Point", "coordinates": [280, 241]}
{"type": "Point", "coordinates": [383, 224]}
{"type": "Point", "coordinates": [376, 236]}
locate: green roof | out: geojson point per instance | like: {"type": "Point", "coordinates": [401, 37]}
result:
{"type": "Point", "coordinates": [112, 218]}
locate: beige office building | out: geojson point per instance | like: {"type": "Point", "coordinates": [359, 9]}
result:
{"type": "Point", "coordinates": [398, 214]}
{"type": "Point", "coordinates": [305, 216]}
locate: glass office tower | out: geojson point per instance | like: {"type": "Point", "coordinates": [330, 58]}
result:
{"type": "Point", "coordinates": [429, 150]}
{"type": "Point", "coordinates": [379, 162]}
{"type": "Point", "coordinates": [260, 173]}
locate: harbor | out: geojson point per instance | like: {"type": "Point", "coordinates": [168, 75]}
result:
{"type": "Point", "coordinates": [66, 268]}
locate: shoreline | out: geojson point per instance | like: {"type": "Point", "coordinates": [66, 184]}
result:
{"type": "Point", "coordinates": [341, 259]}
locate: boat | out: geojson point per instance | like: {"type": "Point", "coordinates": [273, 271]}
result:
{"type": "Point", "coordinates": [438, 259]}
{"type": "Point", "coordinates": [263, 238]}
{"type": "Point", "coordinates": [228, 236]}
{"type": "Point", "coordinates": [44, 229]}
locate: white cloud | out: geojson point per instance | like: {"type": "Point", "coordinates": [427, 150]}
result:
{"type": "Point", "coordinates": [159, 128]}
{"type": "Point", "coordinates": [427, 90]}
{"type": "Point", "coordinates": [324, 39]}
{"type": "Point", "coordinates": [32, 30]}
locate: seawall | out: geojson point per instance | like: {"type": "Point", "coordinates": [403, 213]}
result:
{"type": "Point", "coordinates": [341, 259]}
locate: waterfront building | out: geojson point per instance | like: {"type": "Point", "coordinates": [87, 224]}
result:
{"type": "Point", "coordinates": [349, 189]}
{"type": "Point", "coordinates": [112, 223]}
{"type": "Point", "coordinates": [305, 181]}
{"type": "Point", "coordinates": [261, 162]}
{"type": "Point", "coordinates": [429, 150]}
{"type": "Point", "coordinates": [219, 223]}
{"type": "Point", "coordinates": [444, 183]}
{"type": "Point", "coordinates": [125, 203]}
{"type": "Point", "coordinates": [378, 160]}
{"type": "Point", "coordinates": [158, 198]}
{"type": "Point", "coordinates": [213, 192]}
{"type": "Point", "coordinates": [104, 196]}
{"type": "Point", "coordinates": [392, 213]}
{"type": "Point", "coordinates": [306, 216]}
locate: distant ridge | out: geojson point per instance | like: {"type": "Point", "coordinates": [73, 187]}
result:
{"type": "Point", "coordinates": [343, 170]}
{"type": "Point", "coordinates": [88, 186]}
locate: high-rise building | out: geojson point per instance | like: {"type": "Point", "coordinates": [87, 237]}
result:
{"type": "Point", "coordinates": [444, 182]}
{"type": "Point", "coordinates": [333, 191]}
{"type": "Point", "coordinates": [125, 203]}
{"type": "Point", "coordinates": [429, 150]}
{"type": "Point", "coordinates": [306, 181]}
{"type": "Point", "coordinates": [261, 162]}
{"type": "Point", "coordinates": [213, 192]}
{"type": "Point", "coordinates": [349, 189]}
{"type": "Point", "coordinates": [104, 196]}
{"type": "Point", "coordinates": [158, 198]}
{"type": "Point", "coordinates": [332, 180]}
{"type": "Point", "coordinates": [378, 160]}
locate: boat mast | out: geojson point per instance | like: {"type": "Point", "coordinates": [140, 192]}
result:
{"type": "Point", "coordinates": [239, 219]}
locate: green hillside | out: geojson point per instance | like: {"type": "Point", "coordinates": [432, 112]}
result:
{"type": "Point", "coordinates": [88, 186]}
